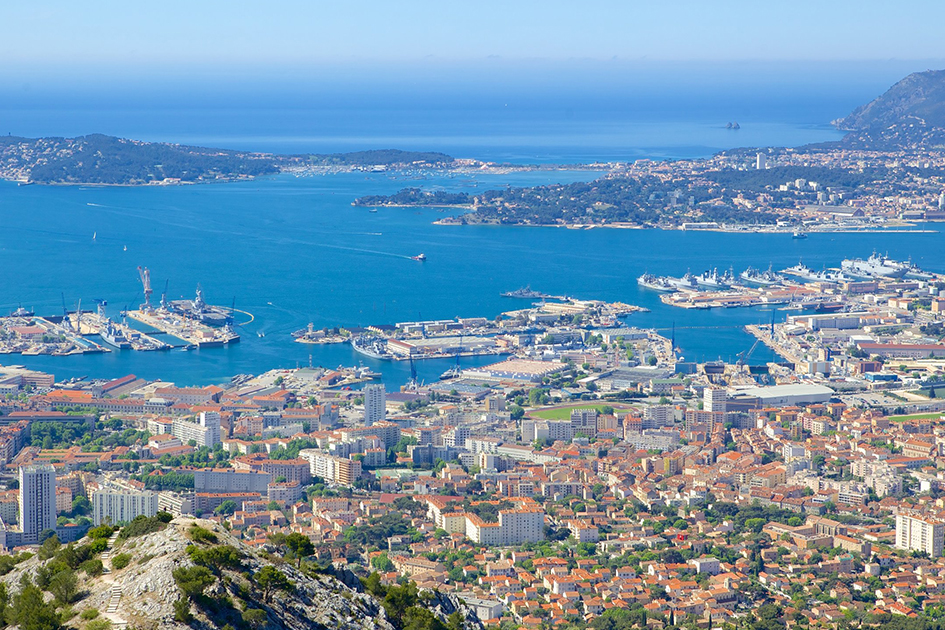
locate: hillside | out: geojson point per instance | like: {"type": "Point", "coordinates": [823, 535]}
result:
{"type": "Point", "coordinates": [106, 160]}
{"type": "Point", "coordinates": [192, 573]}
{"type": "Point", "coordinates": [909, 114]}
{"type": "Point", "coordinates": [920, 95]}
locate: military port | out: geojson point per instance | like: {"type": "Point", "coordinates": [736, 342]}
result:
{"type": "Point", "coordinates": [180, 324]}
{"type": "Point", "coordinates": [798, 287]}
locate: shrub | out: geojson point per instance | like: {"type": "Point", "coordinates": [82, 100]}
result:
{"type": "Point", "coordinates": [99, 624]}
{"type": "Point", "coordinates": [89, 614]}
{"type": "Point", "coordinates": [192, 581]}
{"type": "Point", "coordinates": [142, 525]}
{"type": "Point", "coordinates": [102, 531]}
{"type": "Point", "coordinates": [121, 560]}
{"type": "Point", "coordinates": [182, 611]}
{"type": "Point", "coordinates": [93, 567]}
{"type": "Point", "coordinates": [201, 534]}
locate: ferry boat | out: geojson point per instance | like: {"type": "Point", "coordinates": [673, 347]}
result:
{"type": "Point", "coordinates": [419, 257]}
{"type": "Point", "coordinates": [656, 283]}
{"type": "Point", "coordinates": [762, 278]}
{"type": "Point", "coordinates": [876, 266]}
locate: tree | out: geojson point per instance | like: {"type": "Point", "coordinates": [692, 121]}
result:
{"type": "Point", "coordinates": [300, 545]}
{"type": "Point", "coordinates": [193, 581]}
{"type": "Point", "coordinates": [30, 611]}
{"type": "Point", "coordinates": [182, 611]}
{"type": "Point", "coordinates": [227, 507]}
{"type": "Point", "coordinates": [49, 547]}
{"type": "Point", "coordinates": [382, 563]}
{"type": "Point", "coordinates": [64, 586]}
{"type": "Point", "coordinates": [270, 580]}
{"type": "Point", "coordinates": [255, 618]}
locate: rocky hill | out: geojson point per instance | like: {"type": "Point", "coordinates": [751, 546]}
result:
{"type": "Point", "coordinates": [192, 573]}
{"type": "Point", "coordinates": [910, 114]}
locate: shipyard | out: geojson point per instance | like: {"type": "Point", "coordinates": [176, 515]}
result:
{"type": "Point", "coordinates": [183, 324]}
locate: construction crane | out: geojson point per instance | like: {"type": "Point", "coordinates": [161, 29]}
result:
{"type": "Point", "coordinates": [145, 274]}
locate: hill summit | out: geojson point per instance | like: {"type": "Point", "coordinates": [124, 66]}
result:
{"type": "Point", "coordinates": [163, 573]}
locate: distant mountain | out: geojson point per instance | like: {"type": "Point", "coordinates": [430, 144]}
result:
{"type": "Point", "coordinates": [910, 114]}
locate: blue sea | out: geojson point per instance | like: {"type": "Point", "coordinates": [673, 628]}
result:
{"type": "Point", "coordinates": [294, 250]}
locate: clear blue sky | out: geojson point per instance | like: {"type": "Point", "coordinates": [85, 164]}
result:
{"type": "Point", "coordinates": [175, 33]}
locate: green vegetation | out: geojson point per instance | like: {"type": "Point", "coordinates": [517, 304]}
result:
{"type": "Point", "coordinates": [564, 413]}
{"type": "Point", "coordinates": [416, 197]}
{"type": "Point", "coordinates": [143, 525]}
{"type": "Point", "coordinates": [121, 560]}
{"type": "Point", "coordinates": [915, 416]}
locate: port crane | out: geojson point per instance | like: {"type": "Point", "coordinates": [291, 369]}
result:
{"type": "Point", "coordinates": [164, 296]}
{"type": "Point", "coordinates": [65, 313]}
{"type": "Point", "coordinates": [145, 274]}
{"type": "Point", "coordinates": [124, 311]}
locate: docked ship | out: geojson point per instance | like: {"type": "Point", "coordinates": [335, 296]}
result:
{"type": "Point", "coordinates": [200, 310]}
{"type": "Point", "coordinates": [370, 347]}
{"type": "Point", "coordinates": [802, 271]}
{"type": "Point", "coordinates": [656, 283]}
{"type": "Point", "coordinates": [526, 293]}
{"type": "Point", "coordinates": [798, 234]}
{"type": "Point", "coordinates": [22, 312]}
{"type": "Point", "coordinates": [687, 282]}
{"type": "Point", "coordinates": [761, 278]}
{"type": "Point", "coordinates": [114, 336]}
{"type": "Point", "coordinates": [876, 266]}
{"type": "Point", "coordinates": [714, 280]}
{"type": "Point", "coordinates": [453, 372]}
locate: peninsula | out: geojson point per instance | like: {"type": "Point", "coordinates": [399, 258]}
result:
{"type": "Point", "coordinates": [887, 172]}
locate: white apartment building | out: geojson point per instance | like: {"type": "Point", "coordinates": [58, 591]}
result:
{"type": "Point", "coordinates": [920, 532]}
{"type": "Point", "coordinates": [514, 527]}
{"type": "Point", "coordinates": [205, 431]}
{"type": "Point", "coordinates": [116, 506]}
{"type": "Point", "coordinates": [714, 399]}
{"type": "Point", "coordinates": [37, 501]}
{"type": "Point", "coordinates": [375, 404]}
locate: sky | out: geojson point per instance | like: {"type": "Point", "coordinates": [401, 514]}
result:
{"type": "Point", "coordinates": [234, 34]}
